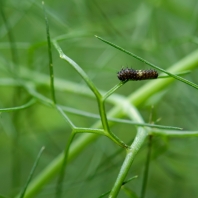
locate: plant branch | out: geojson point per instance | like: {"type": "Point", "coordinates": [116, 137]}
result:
{"type": "Point", "coordinates": [49, 55]}
{"type": "Point", "coordinates": [63, 166]}
{"type": "Point", "coordinates": [150, 64]}
{"type": "Point", "coordinates": [173, 133]}
{"type": "Point", "coordinates": [137, 98]}
{"type": "Point", "coordinates": [28, 104]}
{"type": "Point", "coordinates": [78, 69]}
{"type": "Point", "coordinates": [146, 169]}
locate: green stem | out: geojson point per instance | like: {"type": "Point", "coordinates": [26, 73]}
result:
{"type": "Point", "coordinates": [125, 182]}
{"type": "Point", "coordinates": [32, 172]}
{"type": "Point", "coordinates": [30, 89]}
{"type": "Point", "coordinates": [174, 133]}
{"type": "Point", "coordinates": [187, 63]}
{"type": "Point", "coordinates": [90, 130]}
{"type": "Point", "coordinates": [28, 104]}
{"type": "Point", "coordinates": [114, 138]}
{"type": "Point", "coordinates": [66, 117]}
{"type": "Point", "coordinates": [148, 63]}
{"type": "Point", "coordinates": [50, 55]}
{"type": "Point", "coordinates": [146, 170]}
{"type": "Point", "coordinates": [131, 153]}
{"type": "Point", "coordinates": [79, 70]}
{"type": "Point", "coordinates": [117, 120]}
{"type": "Point", "coordinates": [107, 130]}
{"type": "Point", "coordinates": [103, 116]}
{"type": "Point", "coordinates": [111, 91]}
{"type": "Point", "coordinates": [63, 167]}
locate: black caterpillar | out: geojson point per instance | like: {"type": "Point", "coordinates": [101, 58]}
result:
{"type": "Point", "coordinates": [132, 74]}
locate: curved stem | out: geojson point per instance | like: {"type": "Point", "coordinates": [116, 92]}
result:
{"type": "Point", "coordinates": [103, 116]}
{"type": "Point", "coordinates": [32, 172]}
{"type": "Point", "coordinates": [111, 91]}
{"type": "Point", "coordinates": [28, 104]}
{"type": "Point", "coordinates": [78, 69]}
{"type": "Point", "coordinates": [49, 55]}
{"type": "Point", "coordinates": [146, 170]}
{"type": "Point", "coordinates": [63, 166]}
{"type": "Point", "coordinates": [107, 130]}
{"type": "Point", "coordinates": [66, 117]}
{"type": "Point", "coordinates": [131, 153]}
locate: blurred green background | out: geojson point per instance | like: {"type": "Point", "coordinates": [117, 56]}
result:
{"type": "Point", "coordinates": [162, 32]}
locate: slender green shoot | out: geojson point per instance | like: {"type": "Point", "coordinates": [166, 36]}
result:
{"type": "Point", "coordinates": [90, 130]}
{"type": "Point", "coordinates": [146, 170]}
{"type": "Point", "coordinates": [79, 129]}
{"type": "Point", "coordinates": [179, 74]}
{"type": "Point", "coordinates": [32, 172]}
{"type": "Point", "coordinates": [41, 98]}
{"type": "Point", "coordinates": [131, 153]}
{"type": "Point", "coordinates": [173, 133]}
{"type": "Point", "coordinates": [74, 131]}
{"type": "Point", "coordinates": [111, 91]}
{"type": "Point", "coordinates": [150, 64]}
{"type": "Point", "coordinates": [50, 55]}
{"type": "Point", "coordinates": [116, 120]}
{"type": "Point", "coordinates": [78, 69]}
{"type": "Point", "coordinates": [63, 166]}
{"type": "Point", "coordinates": [130, 179]}
{"type": "Point", "coordinates": [143, 124]}
{"type": "Point", "coordinates": [28, 104]}
{"type": "Point", "coordinates": [66, 117]}
{"type": "Point", "coordinates": [129, 192]}
{"type": "Point", "coordinates": [125, 182]}
{"type": "Point", "coordinates": [59, 185]}
{"type": "Point", "coordinates": [141, 135]}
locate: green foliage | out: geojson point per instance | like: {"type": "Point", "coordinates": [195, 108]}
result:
{"type": "Point", "coordinates": [54, 70]}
